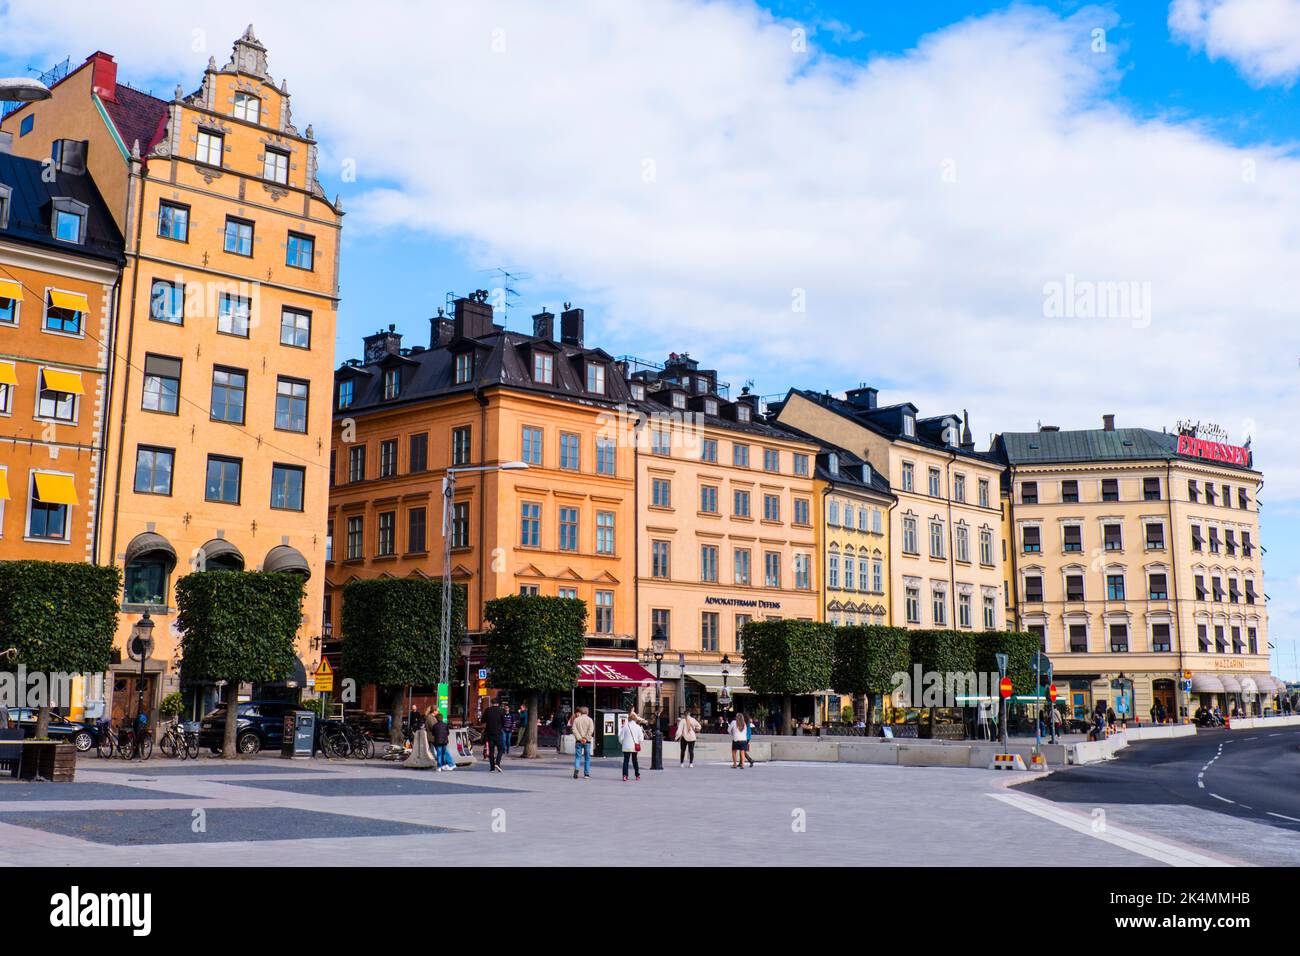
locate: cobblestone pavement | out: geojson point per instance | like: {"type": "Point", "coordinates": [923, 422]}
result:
{"type": "Point", "coordinates": [270, 811]}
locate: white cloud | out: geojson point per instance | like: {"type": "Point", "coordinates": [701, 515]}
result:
{"type": "Point", "coordinates": [1261, 38]}
{"type": "Point", "coordinates": [922, 202]}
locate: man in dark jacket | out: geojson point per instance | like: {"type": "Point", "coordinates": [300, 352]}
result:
{"type": "Point", "coordinates": [440, 737]}
{"type": "Point", "coordinates": [494, 726]}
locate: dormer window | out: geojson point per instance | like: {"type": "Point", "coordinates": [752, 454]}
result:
{"type": "Point", "coordinates": [345, 392]}
{"type": "Point", "coordinates": [596, 378]}
{"type": "Point", "coordinates": [392, 383]}
{"type": "Point", "coordinates": [742, 412]}
{"type": "Point", "coordinates": [638, 391]}
{"type": "Point", "coordinates": [247, 107]}
{"type": "Point", "coordinates": [68, 220]}
{"type": "Point", "coordinates": [710, 406]}
{"type": "Point", "coordinates": [544, 368]}
{"type": "Point", "coordinates": [679, 400]}
{"type": "Point", "coordinates": [5, 202]}
{"type": "Point", "coordinates": [701, 385]}
{"type": "Point", "coordinates": [833, 463]}
{"type": "Point", "coordinates": [464, 367]}
{"type": "Point", "coordinates": [909, 425]}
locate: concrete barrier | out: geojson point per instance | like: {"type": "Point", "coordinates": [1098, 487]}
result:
{"type": "Point", "coordinates": [1263, 723]}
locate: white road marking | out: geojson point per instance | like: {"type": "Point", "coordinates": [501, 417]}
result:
{"type": "Point", "coordinates": [1275, 735]}
{"type": "Point", "coordinates": [1283, 816]}
{"type": "Point", "coordinates": [1152, 847]}
{"type": "Point", "coordinates": [1224, 799]}
{"type": "Point", "coordinates": [1201, 784]}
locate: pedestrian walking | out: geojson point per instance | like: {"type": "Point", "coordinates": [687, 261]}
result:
{"type": "Point", "coordinates": [494, 729]}
{"type": "Point", "coordinates": [687, 730]}
{"type": "Point", "coordinates": [584, 732]}
{"type": "Point", "coordinates": [749, 736]}
{"type": "Point", "coordinates": [560, 725]}
{"type": "Point", "coordinates": [440, 736]}
{"type": "Point", "coordinates": [521, 729]}
{"type": "Point", "coordinates": [630, 736]}
{"type": "Point", "coordinates": [4, 716]}
{"type": "Point", "coordinates": [738, 729]}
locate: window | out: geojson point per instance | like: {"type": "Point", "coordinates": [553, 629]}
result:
{"type": "Point", "coordinates": [290, 405]}
{"type": "Point", "coordinates": [876, 522]}
{"type": "Point", "coordinates": [604, 612]}
{"type": "Point", "coordinates": [300, 251]}
{"type": "Point", "coordinates": [8, 373]}
{"type": "Point", "coordinates": [771, 459]}
{"type": "Point", "coordinates": [1250, 590]}
{"type": "Point", "coordinates": [1033, 588]}
{"type": "Point", "coordinates": [740, 456]}
{"type": "Point", "coordinates": [56, 399]}
{"type": "Point", "coordinates": [223, 479]}
{"type": "Point", "coordinates": [661, 442]}
{"type": "Point", "coordinates": [661, 493]}
{"type": "Point", "coordinates": [386, 535]}
{"type": "Point", "coordinates": [247, 107]}
{"type": "Point", "coordinates": [568, 529]}
{"type": "Point", "coordinates": [174, 221]}
{"type": "Point", "coordinates": [1234, 596]}
{"type": "Point", "coordinates": [162, 384]}
{"type": "Point", "coordinates": [63, 312]}
{"type": "Point", "coordinates": [802, 564]}
{"type": "Point", "coordinates": [1070, 491]}
{"type": "Point", "coordinates": [990, 613]}
{"type": "Point", "coordinates": [1113, 537]}
{"type": "Point", "coordinates": [1029, 493]}
{"type": "Point", "coordinates": [1220, 644]}
{"type": "Point", "coordinates": [878, 576]}
{"type": "Point", "coordinates": [963, 610]}
{"type": "Point", "coordinates": [8, 302]}
{"type": "Point", "coordinates": [295, 330]}
{"type": "Point", "coordinates": [1150, 489]}
{"type": "Point", "coordinates": [1160, 637]}
{"type": "Point", "coordinates": [167, 302]}
{"type": "Point", "coordinates": [596, 378]}
{"type": "Point", "coordinates": [909, 426]}
{"type": "Point", "coordinates": [356, 538]}
{"type": "Point", "coordinates": [357, 463]}
{"type": "Point", "coordinates": [1200, 587]}
{"type": "Point", "coordinates": [606, 456]}
{"type": "Point", "coordinates": [742, 621]}
{"type": "Point", "coordinates": [1073, 540]}
{"type": "Point", "coordinates": [460, 524]}
{"type": "Point", "coordinates": [1074, 587]}
{"type": "Point", "coordinates": [1243, 499]}
{"type": "Point", "coordinates": [239, 236]}
{"type": "Point", "coordinates": [68, 225]}
{"type": "Point", "coordinates": [1114, 587]}
{"type": "Point", "coordinates": [959, 488]}
{"type": "Point", "coordinates": [709, 450]}
{"type": "Point", "coordinates": [910, 545]}
{"type": "Point", "coordinates": [771, 569]}
{"type": "Point", "coordinates": [1193, 492]}
{"type": "Point", "coordinates": [464, 367]}
{"type": "Point", "coordinates": [233, 312]}
{"type": "Point", "coordinates": [833, 512]}
{"type": "Point", "coordinates": [679, 400]}
{"type": "Point", "coordinates": [986, 546]}
{"type": "Point", "coordinates": [346, 392]}
{"type": "Point", "coordinates": [569, 451]}
{"type": "Point", "coordinates": [801, 465]}
{"type": "Point", "coordinates": [275, 167]}
{"type": "Point", "coordinates": [934, 483]}
{"type": "Point", "coordinates": [543, 368]}
{"type": "Point", "coordinates": [908, 476]}
{"type": "Point", "coordinates": [1210, 497]}
{"type": "Point", "coordinates": [1196, 537]}
{"type": "Point", "coordinates": [530, 524]}
{"type": "Point", "coordinates": [1254, 640]}
{"type": "Point", "coordinates": [153, 470]}
{"type": "Point", "coordinates": [1078, 638]}
{"type": "Point", "coordinates": [145, 581]}
{"type": "Point", "coordinates": [709, 563]}
{"type": "Point", "coordinates": [1157, 589]}
{"type": "Point", "coordinates": [741, 566]}
{"type": "Point", "coordinates": [912, 605]}
{"type": "Point", "coordinates": [659, 563]}
{"type": "Point", "coordinates": [1247, 549]}
{"type": "Point", "coordinates": [1110, 489]}
{"type": "Point", "coordinates": [1230, 541]}
{"type": "Point", "coordinates": [936, 539]}
{"type": "Point", "coordinates": [833, 571]}
{"type": "Point", "coordinates": [1119, 638]}
{"type": "Point", "coordinates": [963, 544]}
{"type": "Point", "coordinates": [528, 590]}
{"type": "Point", "coordinates": [229, 390]}
{"type": "Point", "coordinates": [418, 456]}
{"type": "Point", "coordinates": [801, 511]}
{"type": "Point", "coordinates": [984, 492]}
{"type": "Point", "coordinates": [532, 445]}
{"type": "Point", "coordinates": [709, 499]}
{"type": "Point", "coordinates": [1214, 540]}
{"type": "Point", "coordinates": [1032, 539]}
{"type": "Point", "coordinates": [939, 607]}
{"type": "Point", "coordinates": [771, 507]}
{"type": "Point", "coordinates": [709, 631]}
{"type": "Point", "coordinates": [26, 125]}
{"type": "Point", "coordinates": [1155, 537]}
{"type": "Point", "coordinates": [388, 458]}
{"type": "Point", "coordinates": [460, 445]}
{"type": "Point", "coordinates": [416, 530]}
{"type": "Point", "coordinates": [660, 622]}
{"type": "Point", "coordinates": [604, 532]}
{"type": "Point", "coordinates": [209, 148]}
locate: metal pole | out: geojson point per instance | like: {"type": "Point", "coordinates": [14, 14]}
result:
{"type": "Point", "coordinates": [448, 492]}
{"type": "Point", "coordinates": [657, 749]}
{"type": "Point", "coordinates": [1038, 704]}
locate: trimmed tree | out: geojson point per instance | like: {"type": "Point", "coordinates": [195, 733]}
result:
{"type": "Point", "coordinates": [946, 653]}
{"type": "Point", "coordinates": [1019, 647]}
{"type": "Point", "coordinates": [392, 630]}
{"type": "Point", "coordinates": [533, 645]}
{"type": "Point", "coordinates": [59, 617]}
{"type": "Point", "coordinates": [236, 628]}
{"type": "Point", "coordinates": [865, 659]}
{"type": "Point", "coordinates": [788, 658]}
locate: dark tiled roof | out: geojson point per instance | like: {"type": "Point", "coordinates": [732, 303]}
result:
{"type": "Point", "coordinates": [137, 116]}
{"type": "Point", "coordinates": [1087, 445]}
{"type": "Point", "coordinates": [30, 211]}
{"type": "Point", "coordinates": [853, 470]}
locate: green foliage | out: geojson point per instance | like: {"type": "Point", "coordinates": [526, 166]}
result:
{"type": "Point", "coordinates": [313, 704]}
{"type": "Point", "coordinates": [944, 652]}
{"type": "Point", "coordinates": [239, 627]}
{"type": "Point", "coordinates": [1019, 648]}
{"type": "Point", "coordinates": [61, 616]}
{"type": "Point", "coordinates": [846, 714]}
{"type": "Point", "coordinates": [535, 642]}
{"type": "Point", "coordinates": [788, 657]}
{"type": "Point", "coordinates": [173, 705]}
{"type": "Point", "coordinates": [867, 656]}
{"type": "Point", "coordinates": [392, 630]}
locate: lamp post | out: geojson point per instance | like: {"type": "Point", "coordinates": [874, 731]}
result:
{"type": "Point", "coordinates": [724, 701]}
{"type": "Point", "coordinates": [659, 646]}
{"type": "Point", "coordinates": [141, 646]}
{"type": "Point", "coordinates": [448, 496]}
{"type": "Point", "coordinates": [466, 645]}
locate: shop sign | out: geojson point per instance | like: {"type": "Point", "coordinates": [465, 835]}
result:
{"type": "Point", "coordinates": [1229, 664]}
{"type": "Point", "coordinates": [1194, 447]}
{"type": "Point", "coordinates": [744, 602]}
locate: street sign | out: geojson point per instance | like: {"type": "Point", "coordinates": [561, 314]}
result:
{"type": "Point", "coordinates": [1051, 693]}
{"type": "Point", "coordinates": [482, 673]}
{"type": "Point", "coordinates": [1004, 686]}
{"type": "Point", "coordinates": [444, 698]}
{"type": "Point", "coordinates": [1187, 675]}
{"type": "Point", "coordinates": [1187, 686]}
{"type": "Point", "coordinates": [1002, 663]}
{"type": "Point", "coordinates": [324, 677]}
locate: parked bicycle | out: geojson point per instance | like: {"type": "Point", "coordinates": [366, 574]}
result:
{"type": "Point", "coordinates": [180, 741]}
{"type": "Point", "coordinates": [120, 742]}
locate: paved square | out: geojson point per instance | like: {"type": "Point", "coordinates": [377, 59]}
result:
{"type": "Point", "coordinates": [46, 792]}
{"type": "Point", "coordinates": [411, 785]}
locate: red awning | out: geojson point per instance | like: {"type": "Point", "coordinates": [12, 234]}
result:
{"type": "Point", "coordinates": [613, 674]}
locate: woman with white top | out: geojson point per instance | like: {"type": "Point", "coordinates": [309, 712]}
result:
{"type": "Point", "coordinates": [630, 736]}
{"type": "Point", "coordinates": [687, 728]}
{"type": "Point", "coordinates": [739, 731]}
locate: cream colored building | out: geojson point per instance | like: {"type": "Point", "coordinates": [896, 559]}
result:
{"type": "Point", "coordinates": [1135, 554]}
{"type": "Point", "coordinates": [945, 566]}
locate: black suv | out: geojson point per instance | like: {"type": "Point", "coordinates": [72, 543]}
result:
{"type": "Point", "coordinates": [85, 736]}
{"type": "Point", "coordinates": [261, 726]}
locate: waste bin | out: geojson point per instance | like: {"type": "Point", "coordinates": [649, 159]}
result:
{"type": "Point", "coordinates": [608, 725]}
{"type": "Point", "coordinates": [299, 732]}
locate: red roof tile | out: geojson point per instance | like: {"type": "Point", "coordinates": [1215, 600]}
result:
{"type": "Point", "coordinates": [137, 116]}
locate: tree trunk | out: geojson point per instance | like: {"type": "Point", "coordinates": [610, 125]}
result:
{"type": "Point", "coordinates": [228, 745]}
{"type": "Point", "coordinates": [870, 701]}
{"type": "Point", "coordinates": [397, 711]}
{"type": "Point", "coordinates": [42, 722]}
{"type": "Point", "coordinates": [530, 732]}
{"type": "Point", "coordinates": [787, 714]}
{"type": "Point", "coordinates": [859, 705]}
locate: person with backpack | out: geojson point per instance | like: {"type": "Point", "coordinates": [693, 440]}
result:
{"type": "Point", "coordinates": [630, 736]}
{"type": "Point", "coordinates": [688, 729]}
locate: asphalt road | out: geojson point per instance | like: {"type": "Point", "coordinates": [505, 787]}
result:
{"type": "Point", "coordinates": [1248, 774]}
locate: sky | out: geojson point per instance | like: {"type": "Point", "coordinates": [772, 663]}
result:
{"type": "Point", "coordinates": [1039, 212]}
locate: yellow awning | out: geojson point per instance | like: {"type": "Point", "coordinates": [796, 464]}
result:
{"type": "Point", "coordinates": [69, 300]}
{"type": "Point", "coordinates": [4, 485]}
{"type": "Point", "coordinates": [56, 489]}
{"type": "Point", "coordinates": [69, 382]}
{"type": "Point", "coordinates": [9, 289]}
{"type": "Point", "coordinates": [8, 374]}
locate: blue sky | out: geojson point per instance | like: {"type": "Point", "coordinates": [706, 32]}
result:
{"type": "Point", "coordinates": [684, 172]}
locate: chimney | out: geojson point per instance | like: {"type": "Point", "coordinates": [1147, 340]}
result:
{"type": "Point", "coordinates": [103, 76]}
{"type": "Point", "coordinates": [6, 142]}
{"type": "Point", "coordinates": [862, 397]}
{"type": "Point", "coordinates": [473, 316]}
{"type": "Point", "coordinates": [571, 326]}
{"type": "Point", "coordinates": [69, 156]}
{"type": "Point", "coordinates": [441, 330]}
{"type": "Point", "coordinates": [381, 344]}
{"type": "Point", "coordinates": [1108, 423]}
{"type": "Point", "coordinates": [544, 325]}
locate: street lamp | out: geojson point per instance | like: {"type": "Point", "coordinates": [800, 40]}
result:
{"type": "Point", "coordinates": [21, 89]}
{"type": "Point", "coordinates": [725, 700]}
{"type": "Point", "coordinates": [448, 496]}
{"type": "Point", "coordinates": [466, 645]}
{"type": "Point", "coordinates": [659, 646]}
{"type": "Point", "coordinates": [141, 646]}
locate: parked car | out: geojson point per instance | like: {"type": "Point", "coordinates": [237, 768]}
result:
{"type": "Point", "coordinates": [84, 736]}
{"type": "Point", "coordinates": [260, 726]}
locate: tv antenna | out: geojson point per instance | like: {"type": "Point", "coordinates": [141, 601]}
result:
{"type": "Point", "coordinates": [505, 291]}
